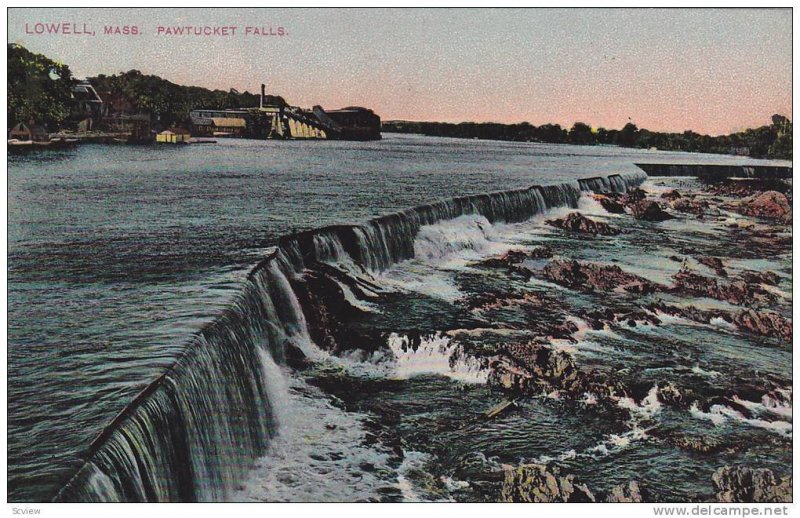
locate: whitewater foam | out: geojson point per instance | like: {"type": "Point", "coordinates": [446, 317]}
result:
{"type": "Point", "coordinates": [722, 414]}
{"type": "Point", "coordinates": [319, 455]}
{"type": "Point", "coordinates": [436, 354]}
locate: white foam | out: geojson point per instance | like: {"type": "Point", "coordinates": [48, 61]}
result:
{"type": "Point", "coordinates": [468, 237]}
{"type": "Point", "coordinates": [318, 454]}
{"type": "Point", "coordinates": [702, 372]}
{"type": "Point", "coordinates": [434, 355]}
{"type": "Point", "coordinates": [720, 414]}
{"type": "Point", "coordinates": [453, 485]}
{"type": "Point", "coordinates": [647, 409]}
{"type": "Point", "coordinates": [412, 461]}
{"type": "Point", "coordinates": [722, 323]}
{"type": "Point", "coordinates": [354, 301]}
{"type": "Point", "coordinates": [424, 280]}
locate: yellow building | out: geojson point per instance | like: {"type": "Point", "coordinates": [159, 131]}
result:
{"type": "Point", "coordinates": [174, 136]}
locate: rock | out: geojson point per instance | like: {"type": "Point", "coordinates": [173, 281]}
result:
{"type": "Point", "coordinates": [295, 357]}
{"type": "Point", "coordinates": [764, 323]}
{"type": "Point", "coordinates": [514, 257]}
{"type": "Point", "coordinates": [771, 204]}
{"type": "Point", "coordinates": [591, 276]}
{"type": "Point", "coordinates": [609, 204]}
{"type": "Point", "coordinates": [535, 483]}
{"type": "Point", "coordinates": [497, 299]}
{"type": "Point", "coordinates": [540, 252]}
{"type": "Point", "coordinates": [635, 195]}
{"type": "Point", "coordinates": [648, 210]}
{"type": "Point", "coordinates": [742, 188]}
{"type": "Point", "coordinates": [599, 318]}
{"type": "Point", "coordinates": [715, 263]}
{"type": "Point", "coordinates": [691, 312]}
{"type": "Point", "coordinates": [765, 277]}
{"type": "Point", "coordinates": [327, 313]}
{"type": "Point", "coordinates": [690, 206]}
{"type": "Point", "coordinates": [697, 443]}
{"type": "Point", "coordinates": [629, 493]}
{"type": "Point", "coordinates": [739, 484]}
{"type": "Point", "coordinates": [575, 222]}
{"type": "Point", "coordinates": [670, 394]}
{"type": "Point", "coordinates": [671, 195]}
{"type": "Point", "coordinates": [736, 292]}
{"type": "Point", "coordinates": [535, 368]}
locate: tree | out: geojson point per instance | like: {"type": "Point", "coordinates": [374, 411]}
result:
{"type": "Point", "coordinates": [627, 135]}
{"type": "Point", "coordinates": [39, 89]}
{"type": "Point", "coordinates": [581, 134]}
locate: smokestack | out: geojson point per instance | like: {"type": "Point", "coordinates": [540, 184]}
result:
{"type": "Point", "coordinates": [263, 90]}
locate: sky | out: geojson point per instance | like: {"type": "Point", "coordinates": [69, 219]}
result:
{"type": "Point", "coordinates": [709, 70]}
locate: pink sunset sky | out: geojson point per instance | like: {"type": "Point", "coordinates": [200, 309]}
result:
{"type": "Point", "coordinates": [712, 71]}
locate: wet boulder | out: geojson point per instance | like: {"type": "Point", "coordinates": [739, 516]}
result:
{"type": "Point", "coordinates": [328, 313]}
{"type": "Point", "coordinates": [648, 210]}
{"type": "Point", "coordinates": [535, 483]}
{"type": "Point", "coordinates": [736, 292]}
{"type": "Point", "coordinates": [534, 367]}
{"type": "Point", "coordinates": [609, 204]}
{"type": "Point", "coordinates": [703, 444]}
{"type": "Point", "coordinates": [765, 323]}
{"type": "Point", "coordinates": [626, 493]}
{"type": "Point", "coordinates": [743, 188]}
{"type": "Point", "coordinates": [496, 299]}
{"type": "Point", "coordinates": [715, 263]}
{"type": "Point", "coordinates": [671, 195]}
{"type": "Point", "coordinates": [771, 205]}
{"type": "Point", "coordinates": [740, 484]}
{"type": "Point", "coordinates": [690, 312]}
{"type": "Point", "coordinates": [598, 318]}
{"type": "Point", "coordinates": [592, 276]}
{"type": "Point", "coordinates": [766, 277]}
{"type": "Point", "coordinates": [512, 258]}
{"type": "Point", "coordinates": [690, 206]}
{"type": "Point", "coordinates": [576, 222]}
{"type": "Point", "coordinates": [633, 196]}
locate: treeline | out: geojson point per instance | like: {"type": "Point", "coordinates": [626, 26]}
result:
{"type": "Point", "coordinates": [40, 91]}
{"type": "Point", "coordinates": [770, 141]}
{"type": "Point", "coordinates": [133, 92]}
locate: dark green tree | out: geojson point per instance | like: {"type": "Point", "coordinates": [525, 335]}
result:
{"type": "Point", "coordinates": [39, 89]}
{"type": "Point", "coordinates": [581, 134]}
{"type": "Point", "coordinates": [627, 135]}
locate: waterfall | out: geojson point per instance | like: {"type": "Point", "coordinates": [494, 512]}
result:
{"type": "Point", "coordinates": [196, 430]}
{"type": "Point", "coordinates": [715, 173]}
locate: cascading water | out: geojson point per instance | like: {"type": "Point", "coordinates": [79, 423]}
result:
{"type": "Point", "coordinates": [196, 431]}
{"type": "Point", "coordinates": [717, 172]}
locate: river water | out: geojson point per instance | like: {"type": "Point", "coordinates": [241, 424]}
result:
{"type": "Point", "coordinates": [119, 255]}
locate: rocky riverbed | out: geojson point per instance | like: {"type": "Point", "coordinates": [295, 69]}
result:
{"type": "Point", "coordinates": [635, 348]}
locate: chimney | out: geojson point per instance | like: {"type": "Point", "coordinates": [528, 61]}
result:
{"type": "Point", "coordinates": [263, 94]}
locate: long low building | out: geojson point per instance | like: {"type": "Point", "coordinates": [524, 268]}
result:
{"type": "Point", "coordinates": [352, 123]}
{"type": "Point", "coordinates": [219, 122]}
